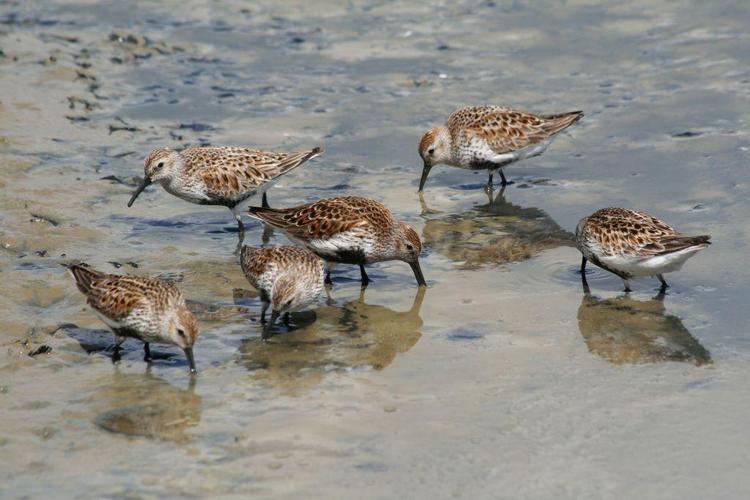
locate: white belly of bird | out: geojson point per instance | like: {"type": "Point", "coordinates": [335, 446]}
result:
{"type": "Point", "coordinates": [343, 242]}
{"type": "Point", "coordinates": [660, 264]}
{"type": "Point", "coordinates": [193, 192]}
{"type": "Point", "coordinates": [479, 152]}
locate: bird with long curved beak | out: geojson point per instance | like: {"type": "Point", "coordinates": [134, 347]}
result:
{"type": "Point", "coordinates": [225, 176]}
{"type": "Point", "coordinates": [348, 230]}
{"type": "Point", "coordinates": [489, 138]}
{"type": "Point", "coordinates": [146, 309]}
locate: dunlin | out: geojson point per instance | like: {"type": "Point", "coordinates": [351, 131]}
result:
{"type": "Point", "coordinates": [490, 138]}
{"type": "Point", "coordinates": [349, 230]}
{"type": "Point", "coordinates": [288, 279]}
{"type": "Point", "coordinates": [146, 309]}
{"type": "Point", "coordinates": [225, 176]}
{"type": "Point", "coordinates": [631, 244]}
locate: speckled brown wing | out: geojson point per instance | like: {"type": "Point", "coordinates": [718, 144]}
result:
{"type": "Point", "coordinates": [620, 231]}
{"type": "Point", "coordinates": [117, 296]}
{"type": "Point", "coordinates": [504, 129]}
{"type": "Point", "coordinates": [326, 218]}
{"type": "Point", "coordinates": [230, 173]}
{"type": "Point", "coordinates": [253, 261]}
{"type": "Point", "coordinates": [262, 266]}
{"type": "Point", "coordinates": [285, 256]}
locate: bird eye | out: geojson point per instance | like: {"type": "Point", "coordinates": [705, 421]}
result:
{"type": "Point", "coordinates": [160, 164]}
{"type": "Point", "coordinates": [181, 333]}
{"type": "Point", "coordinates": [409, 247]}
{"type": "Point", "coordinates": [430, 151]}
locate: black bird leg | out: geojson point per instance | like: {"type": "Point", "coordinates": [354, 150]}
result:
{"type": "Point", "coordinates": [488, 187]}
{"type": "Point", "coordinates": [146, 352]}
{"type": "Point", "coordinates": [265, 302]}
{"type": "Point", "coordinates": [116, 354]}
{"type": "Point", "coordinates": [584, 282]}
{"type": "Point", "coordinates": [285, 319]}
{"type": "Point", "coordinates": [267, 233]}
{"type": "Point", "coordinates": [264, 201]}
{"type": "Point", "coordinates": [504, 180]}
{"type": "Point", "coordinates": [664, 284]}
{"type": "Point", "coordinates": [365, 278]}
{"type": "Point", "coordinates": [240, 228]}
{"type": "Point", "coordinates": [328, 280]}
{"type": "Point", "coordinates": [263, 309]}
{"type": "Point", "coordinates": [240, 232]}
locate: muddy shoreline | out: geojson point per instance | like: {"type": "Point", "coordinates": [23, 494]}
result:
{"type": "Point", "coordinates": [503, 379]}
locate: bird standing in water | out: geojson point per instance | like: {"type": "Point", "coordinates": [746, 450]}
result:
{"type": "Point", "coordinates": [225, 176]}
{"type": "Point", "coordinates": [288, 278]}
{"type": "Point", "coordinates": [490, 138]}
{"type": "Point", "coordinates": [348, 230]}
{"type": "Point", "coordinates": [631, 244]}
{"type": "Point", "coordinates": [147, 309]}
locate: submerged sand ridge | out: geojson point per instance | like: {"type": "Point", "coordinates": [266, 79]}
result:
{"type": "Point", "coordinates": [502, 377]}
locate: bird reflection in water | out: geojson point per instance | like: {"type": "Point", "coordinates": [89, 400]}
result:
{"type": "Point", "coordinates": [495, 233]}
{"type": "Point", "coordinates": [148, 406]}
{"type": "Point", "coordinates": [353, 335]}
{"type": "Point", "coordinates": [624, 330]}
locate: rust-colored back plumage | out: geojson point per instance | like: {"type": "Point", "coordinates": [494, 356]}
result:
{"type": "Point", "coordinates": [505, 129]}
{"type": "Point", "coordinates": [115, 296]}
{"type": "Point", "coordinates": [325, 218]}
{"type": "Point", "coordinates": [228, 173]}
{"type": "Point", "coordinates": [349, 230]}
{"type": "Point", "coordinates": [254, 261]}
{"type": "Point", "coordinates": [621, 231]}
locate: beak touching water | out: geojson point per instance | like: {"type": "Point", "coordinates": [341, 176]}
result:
{"type": "Point", "coordinates": [418, 273]}
{"type": "Point", "coordinates": [269, 325]}
{"type": "Point", "coordinates": [146, 182]}
{"type": "Point", "coordinates": [190, 359]}
{"type": "Point", "coordinates": [425, 173]}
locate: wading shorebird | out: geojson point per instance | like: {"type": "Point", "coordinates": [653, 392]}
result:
{"type": "Point", "coordinates": [348, 230]}
{"type": "Point", "coordinates": [288, 278]}
{"type": "Point", "coordinates": [147, 309]}
{"type": "Point", "coordinates": [225, 176]}
{"type": "Point", "coordinates": [632, 244]}
{"type": "Point", "coordinates": [490, 138]}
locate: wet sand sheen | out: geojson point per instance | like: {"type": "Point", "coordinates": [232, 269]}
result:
{"type": "Point", "coordinates": [502, 377]}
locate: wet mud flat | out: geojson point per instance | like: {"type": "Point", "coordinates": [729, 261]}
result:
{"type": "Point", "coordinates": [503, 378]}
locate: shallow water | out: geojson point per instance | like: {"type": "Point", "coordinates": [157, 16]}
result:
{"type": "Point", "coordinates": [504, 379]}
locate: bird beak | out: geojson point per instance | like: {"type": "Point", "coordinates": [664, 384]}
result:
{"type": "Point", "coordinates": [418, 273]}
{"type": "Point", "coordinates": [190, 359]}
{"type": "Point", "coordinates": [146, 182]}
{"type": "Point", "coordinates": [269, 325]}
{"type": "Point", "coordinates": [425, 173]}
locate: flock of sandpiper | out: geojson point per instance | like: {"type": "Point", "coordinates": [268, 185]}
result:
{"type": "Point", "coordinates": [353, 230]}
